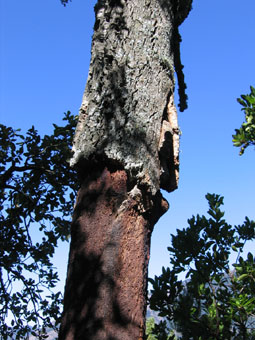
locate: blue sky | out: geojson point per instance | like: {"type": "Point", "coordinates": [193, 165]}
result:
{"type": "Point", "coordinates": [45, 53]}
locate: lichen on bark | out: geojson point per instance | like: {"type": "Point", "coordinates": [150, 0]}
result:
{"type": "Point", "coordinates": [126, 148]}
{"type": "Point", "coordinates": [129, 86]}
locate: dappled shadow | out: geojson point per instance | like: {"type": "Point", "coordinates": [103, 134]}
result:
{"type": "Point", "coordinates": [85, 319]}
{"type": "Point", "coordinates": [94, 306]}
{"type": "Point", "coordinates": [121, 115]}
{"type": "Point", "coordinates": [109, 253]}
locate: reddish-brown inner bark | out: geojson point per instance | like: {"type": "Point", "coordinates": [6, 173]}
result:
{"type": "Point", "coordinates": [107, 273]}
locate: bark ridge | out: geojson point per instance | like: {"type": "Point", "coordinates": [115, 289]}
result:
{"type": "Point", "coordinates": [126, 149]}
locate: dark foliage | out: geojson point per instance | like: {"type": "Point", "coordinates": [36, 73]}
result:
{"type": "Point", "coordinates": [65, 2]}
{"type": "Point", "coordinates": [245, 136]}
{"type": "Point", "coordinates": [37, 195]}
{"type": "Point", "coordinates": [215, 301]}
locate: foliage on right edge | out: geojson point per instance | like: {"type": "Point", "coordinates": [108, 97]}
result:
{"type": "Point", "coordinates": [215, 301]}
{"type": "Point", "coordinates": [245, 136]}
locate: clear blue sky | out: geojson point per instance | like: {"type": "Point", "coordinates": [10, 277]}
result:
{"type": "Point", "coordinates": [45, 53]}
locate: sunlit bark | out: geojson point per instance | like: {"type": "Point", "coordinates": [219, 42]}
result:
{"type": "Point", "coordinates": [126, 148]}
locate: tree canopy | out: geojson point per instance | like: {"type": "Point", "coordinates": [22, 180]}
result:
{"type": "Point", "coordinates": [215, 300]}
{"type": "Point", "coordinates": [36, 199]}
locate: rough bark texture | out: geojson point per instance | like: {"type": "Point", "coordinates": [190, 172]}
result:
{"type": "Point", "coordinates": [106, 283]}
{"type": "Point", "coordinates": [126, 148]}
{"type": "Point", "coordinates": [130, 83]}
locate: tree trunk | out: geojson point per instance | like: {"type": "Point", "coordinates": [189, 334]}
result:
{"type": "Point", "coordinates": [125, 149]}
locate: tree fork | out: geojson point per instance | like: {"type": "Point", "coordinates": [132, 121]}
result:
{"type": "Point", "coordinates": [126, 148]}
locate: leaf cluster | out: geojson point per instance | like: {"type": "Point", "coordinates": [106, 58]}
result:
{"type": "Point", "coordinates": [158, 331]}
{"type": "Point", "coordinates": [216, 300]}
{"type": "Point", "coordinates": [36, 199]}
{"type": "Point", "coordinates": [245, 136]}
{"type": "Point", "coordinates": [65, 2]}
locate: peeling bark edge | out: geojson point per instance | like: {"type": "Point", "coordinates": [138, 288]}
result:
{"type": "Point", "coordinates": [182, 9]}
{"type": "Point", "coordinates": [126, 148]}
{"type": "Point", "coordinates": [130, 82]}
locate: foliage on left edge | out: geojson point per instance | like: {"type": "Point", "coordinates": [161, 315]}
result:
{"type": "Point", "coordinates": [36, 199]}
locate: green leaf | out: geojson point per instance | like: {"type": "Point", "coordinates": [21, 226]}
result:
{"type": "Point", "coordinates": [34, 176]}
{"type": "Point", "coordinates": [242, 277]}
{"type": "Point", "coordinates": [214, 302]}
{"type": "Point", "coordinates": [245, 136]}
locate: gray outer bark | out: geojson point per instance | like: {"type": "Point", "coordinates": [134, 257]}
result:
{"type": "Point", "coordinates": [124, 112]}
{"type": "Point", "coordinates": [126, 148]}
